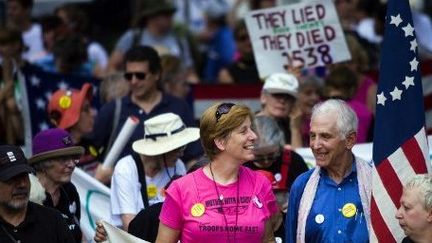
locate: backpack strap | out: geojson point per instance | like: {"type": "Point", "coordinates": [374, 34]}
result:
{"type": "Point", "coordinates": [141, 177]}
{"type": "Point", "coordinates": [286, 162]}
{"type": "Point", "coordinates": [136, 38]}
{"type": "Point", "coordinates": [116, 120]}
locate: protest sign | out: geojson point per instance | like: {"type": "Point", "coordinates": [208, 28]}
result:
{"type": "Point", "coordinates": [308, 33]}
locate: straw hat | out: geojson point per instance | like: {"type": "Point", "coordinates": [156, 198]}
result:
{"type": "Point", "coordinates": [164, 133]}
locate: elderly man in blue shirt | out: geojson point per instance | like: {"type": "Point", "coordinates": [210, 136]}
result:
{"type": "Point", "coordinates": [331, 203]}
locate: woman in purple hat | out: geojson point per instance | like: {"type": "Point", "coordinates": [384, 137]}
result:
{"type": "Point", "coordinates": [54, 159]}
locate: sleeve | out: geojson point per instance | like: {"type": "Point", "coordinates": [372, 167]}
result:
{"type": "Point", "coordinates": [268, 197]}
{"type": "Point", "coordinates": [123, 193]}
{"type": "Point", "coordinates": [172, 212]}
{"type": "Point", "coordinates": [77, 201]}
{"type": "Point", "coordinates": [125, 41]}
{"type": "Point", "coordinates": [292, 213]}
{"type": "Point", "coordinates": [97, 54]}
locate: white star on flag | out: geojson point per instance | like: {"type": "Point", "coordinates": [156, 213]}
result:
{"type": "Point", "coordinates": [62, 85]}
{"type": "Point", "coordinates": [413, 45]}
{"type": "Point", "coordinates": [409, 30]}
{"type": "Point", "coordinates": [381, 99]}
{"type": "Point", "coordinates": [408, 81]}
{"type": "Point", "coordinates": [40, 103]}
{"type": "Point", "coordinates": [35, 81]}
{"type": "Point", "coordinates": [396, 20]}
{"type": "Point", "coordinates": [414, 63]}
{"type": "Point", "coordinates": [396, 94]}
{"type": "Point", "coordinates": [48, 95]}
{"type": "Point", "coordinates": [43, 126]}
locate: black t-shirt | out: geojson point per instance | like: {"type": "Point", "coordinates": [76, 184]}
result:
{"type": "Point", "coordinates": [296, 166]}
{"type": "Point", "coordinates": [41, 224]}
{"type": "Point", "coordinates": [146, 223]}
{"type": "Point", "coordinates": [69, 207]}
{"type": "Point", "coordinates": [407, 240]}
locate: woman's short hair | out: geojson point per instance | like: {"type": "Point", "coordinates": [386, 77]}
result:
{"type": "Point", "coordinates": [346, 118]}
{"type": "Point", "coordinates": [212, 128]}
{"type": "Point", "coordinates": [422, 182]}
{"type": "Point", "coordinates": [268, 131]}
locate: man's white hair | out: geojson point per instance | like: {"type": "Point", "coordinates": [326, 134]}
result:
{"type": "Point", "coordinates": [422, 182]}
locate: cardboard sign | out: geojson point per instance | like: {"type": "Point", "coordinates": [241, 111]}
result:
{"type": "Point", "coordinates": [308, 32]}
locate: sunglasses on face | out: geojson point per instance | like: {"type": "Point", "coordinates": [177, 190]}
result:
{"type": "Point", "coordinates": [222, 109]}
{"type": "Point", "coordinates": [138, 75]}
{"type": "Point", "coordinates": [272, 157]}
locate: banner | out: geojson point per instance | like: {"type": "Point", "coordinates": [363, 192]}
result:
{"type": "Point", "coordinates": [95, 201]}
{"type": "Point", "coordinates": [308, 32]}
{"type": "Point", "coordinates": [116, 235]}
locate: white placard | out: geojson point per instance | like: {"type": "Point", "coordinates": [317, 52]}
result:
{"type": "Point", "coordinates": [308, 32]}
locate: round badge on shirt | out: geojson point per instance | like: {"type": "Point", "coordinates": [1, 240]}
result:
{"type": "Point", "coordinates": [319, 218]}
{"type": "Point", "coordinates": [152, 190]}
{"type": "Point", "coordinates": [197, 209]}
{"type": "Point", "coordinates": [349, 210]}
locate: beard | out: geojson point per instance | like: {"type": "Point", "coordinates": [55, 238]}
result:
{"type": "Point", "coordinates": [17, 204]}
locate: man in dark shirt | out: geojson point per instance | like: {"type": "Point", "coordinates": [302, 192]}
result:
{"type": "Point", "coordinates": [146, 100]}
{"type": "Point", "coordinates": [21, 220]}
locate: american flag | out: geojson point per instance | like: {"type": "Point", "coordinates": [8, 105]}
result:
{"type": "Point", "coordinates": [400, 148]}
{"type": "Point", "coordinates": [37, 87]}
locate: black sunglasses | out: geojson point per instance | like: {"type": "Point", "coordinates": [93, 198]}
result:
{"type": "Point", "coordinates": [222, 109]}
{"type": "Point", "coordinates": [138, 75]}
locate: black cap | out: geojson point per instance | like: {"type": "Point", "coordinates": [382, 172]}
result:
{"type": "Point", "coordinates": [12, 162]}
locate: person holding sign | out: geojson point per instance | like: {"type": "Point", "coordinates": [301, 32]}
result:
{"type": "Point", "coordinates": [331, 202]}
{"type": "Point", "coordinates": [278, 96]}
{"type": "Point", "coordinates": [222, 201]}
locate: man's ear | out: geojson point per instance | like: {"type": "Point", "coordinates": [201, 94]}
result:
{"type": "Point", "coordinates": [351, 140]}
{"type": "Point", "coordinates": [429, 217]}
{"type": "Point", "coordinates": [220, 143]}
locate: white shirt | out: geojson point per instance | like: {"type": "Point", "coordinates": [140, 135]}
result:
{"type": "Point", "coordinates": [126, 190]}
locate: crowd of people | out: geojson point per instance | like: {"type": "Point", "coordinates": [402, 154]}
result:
{"type": "Point", "coordinates": [231, 176]}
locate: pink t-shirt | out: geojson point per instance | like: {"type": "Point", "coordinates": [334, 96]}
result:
{"type": "Point", "coordinates": [255, 205]}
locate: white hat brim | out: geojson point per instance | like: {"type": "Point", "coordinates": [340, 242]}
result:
{"type": "Point", "coordinates": [166, 144]}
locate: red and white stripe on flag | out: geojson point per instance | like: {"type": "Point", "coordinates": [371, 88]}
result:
{"type": "Point", "coordinates": [389, 177]}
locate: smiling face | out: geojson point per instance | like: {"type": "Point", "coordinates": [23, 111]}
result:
{"type": "Point", "coordinates": [329, 148]}
{"type": "Point", "coordinates": [240, 143]}
{"type": "Point", "coordinates": [413, 217]}
{"type": "Point", "coordinates": [15, 192]}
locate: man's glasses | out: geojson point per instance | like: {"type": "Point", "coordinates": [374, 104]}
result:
{"type": "Point", "coordinates": [222, 109]}
{"type": "Point", "coordinates": [139, 75]}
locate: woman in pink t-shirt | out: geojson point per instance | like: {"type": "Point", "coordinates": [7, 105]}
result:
{"type": "Point", "coordinates": [223, 201]}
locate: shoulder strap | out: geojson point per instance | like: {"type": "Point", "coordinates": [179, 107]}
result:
{"type": "Point", "coordinates": [137, 33]}
{"type": "Point", "coordinates": [116, 120]}
{"type": "Point", "coordinates": [286, 162]}
{"type": "Point", "coordinates": [141, 177]}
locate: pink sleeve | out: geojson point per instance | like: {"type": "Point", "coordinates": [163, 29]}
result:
{"type": "Point", "coordinates": [269, 198]}
{"type": "Point", "coordinates": [171, 214]}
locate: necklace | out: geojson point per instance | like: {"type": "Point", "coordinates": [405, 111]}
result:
{"type": "Point", "coordinates": [220, 197]}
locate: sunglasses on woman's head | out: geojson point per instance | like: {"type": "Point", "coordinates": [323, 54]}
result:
{"type": "Point", "coordinates": [139, 75]}
{"type": "Point", "coordinates": [222, 109]}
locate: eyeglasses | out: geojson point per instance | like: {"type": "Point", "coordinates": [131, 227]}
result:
{"type": "Point", "coordinates": [139, 75]}
{"type": "Point", "coordinates": [222, 109]}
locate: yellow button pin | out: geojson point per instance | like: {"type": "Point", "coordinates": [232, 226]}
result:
{"type": "Point", "coordinates": [152, 191]}
{"type": "Point", "coordinates": [65, 102]}
{"type": "Point", "coordinates": [197, 210]}
{"type": "Point", "coordinates": [349, 210]}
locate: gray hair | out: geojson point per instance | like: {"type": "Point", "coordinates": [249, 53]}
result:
{"type": "Point", "coordinates": [42, 166]}
{"type": "Point", "coordinates": [346, 118]}
{"type": "Point", "coordinates": [268, 131]}
{"type": "Point", "coordinates": [424, 184]}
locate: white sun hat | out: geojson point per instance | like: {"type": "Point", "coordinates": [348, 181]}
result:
{"type": "Point", "coordinates": [164, 133]}
{"type": "Point", "coordinates": [281, 83]}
